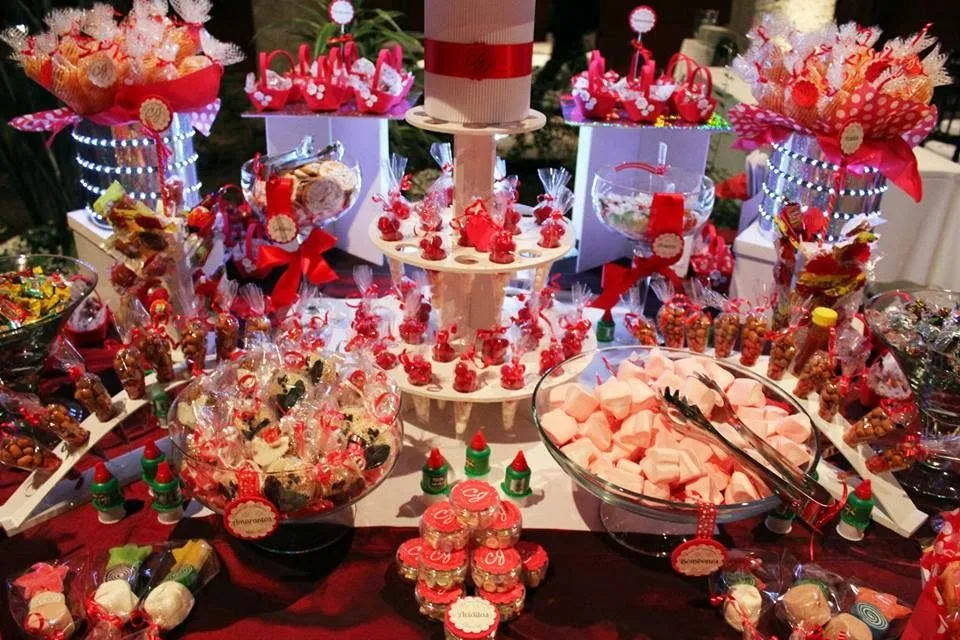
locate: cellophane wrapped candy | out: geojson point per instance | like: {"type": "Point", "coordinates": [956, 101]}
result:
{"type": "Point", "coordinates": [644, 330]}
{"type": "Point", "coordinates": [316, 430]}
{"type": "Point", "coordinates": [575, 325]}
{"type": "Point", "coordinates": [442, 187]}
{"type": "Point", "coordinates": [670, 318]}
{"type": "Point", "coordinates": [554, 180]}
{"type": "Point", "coordinates": [816, 372]}
{"type": "Point", "coordinates": [226, 327]}
{"type": "Point", "coordinates": [131, 320]}
{"type": "Point", "coordinates": [89, 390]}
{"type": "Point", "coordinates": [753, 336]}
{"type": "Point", "coordinates": [256, 319]}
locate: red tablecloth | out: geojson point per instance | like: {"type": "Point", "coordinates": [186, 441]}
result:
{"type": "Point", "coordinates": [595, 588]}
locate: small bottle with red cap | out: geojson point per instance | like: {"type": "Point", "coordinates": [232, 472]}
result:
{"type": "Point", "coordinates": [149, 462]}
{"type": "Point", "coordinates": [106, 495]}
{"type": "Point", "coordinates": [434, 479]}
{"type": "Point", "coordinates": [477, 463]}
{"type": "Point", "coordinates": [856, 513]}
{"type": "Point", "coordinates": [516, 481]}
{"type": "Point", "coordinates": [167, 498]}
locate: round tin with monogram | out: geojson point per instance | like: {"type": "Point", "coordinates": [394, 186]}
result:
{"type": "Point", "coordinates": [535, 562]}
{"type": "Point", "coordinates": [496, 570]}
{"type": "Point", "coordinates": [408, 559]}
{"type": "Point", "coordinates": [441, 529]}
{"type": "Point", "coordinates": [504, 531]}
{"type": "Point", "coordinates": [509, 603]}
{"type": "Point", "coordinates": [475, 503]}
{"type": "Point", "coordinates": [442, 569]}
{"type": "Point", "coordinates": [434, 602]}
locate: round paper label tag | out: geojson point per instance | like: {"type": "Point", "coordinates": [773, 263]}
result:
{"type": "Point", "coordinates": [851, 138]}
{"type": "Point", "coordinates": [251, 518]}
{"type": "Point", "coordinates": [643, 19]}
{"type": "Point", "coordinates": [668, 246]}
{"type": "Point", "coordinates": [473, 617]}
{"type": "Point", "coordinates": [341, 12]}
{"type": "Point", "coordinates": [698, 557]}
{"type": "Point", "coordinates": [281, 228]}
{"type": "Point", "coordinates": [155, 114]}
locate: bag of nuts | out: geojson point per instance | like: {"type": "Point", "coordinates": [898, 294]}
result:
{"type": "Point", "coordinates": [89, 390]}
{"type": "Point", "coordinates": [645, 331]}
{"type": "Point", "coordinates": [754, 336]}
{"type": "Point", "coordinates": [128, 361]}
{"type": "Point", "coordinates": [255, 318]}
{"type": "Point", "coordinates": [670, 317]}
{"type": "Point", "coordinates": [26, 453]}
{"type": "Point", "coordinates": [783, 343]}
{"type": "Point", "coordinates": [53, 419]}
{"type": "Point", "coordinates": [226, 326]}
{"type": "Point", "coordinates": [873, 426]}
{"type": "Point", "coordinates": [817, 371]}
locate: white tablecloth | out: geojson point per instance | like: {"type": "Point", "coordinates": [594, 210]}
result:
{"type": "Point", "coordinates": [918, 241]}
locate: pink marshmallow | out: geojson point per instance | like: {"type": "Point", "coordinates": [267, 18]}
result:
{"type": "Point", "coordinates": [668, 380]}
{"type": "Point", "coordinates": [557, 395]}
{"type": "Point", "coordinates": [560, 427]}
{"type": "Point", "coordinates": [690, 470]}
{"type": "Point", "coordinates": [625, 479]}
{"type": "Point", "coordinates": [581, 452]}
{"type": "Point", "coordinates": [730, 434]}
{"type": "Point", "coordinates": [721, 376]}
{"type": "Point", "coordinates": [795, 427]}
{"type": "Point", "coordinates": [687, 367]}
{"type": "Point", "coordinates": [746, 392]}
{"type": "Point", "coordinates": [579, 402]}
{"type": "Point", "coordinates": [629, 370]}
{"type": "Point", "coordinates": [639, 429]}
{"type": "Point", "coordinates": [760, 427]}
{"type": "Point", "coordinates": [740, 489]}
{"type": "Point", "coordinates": [654, 490]}
{"type": "Point", "coordinates": [601, 465]}
{"type": "Point", "coordinates": [699, 395]}
{"type": "Point", "coordinates": [796, 453]}
{"type": "Point", "coordinates": [720, 452]}
{"type": "Point", "coordinates": [665, 438]}
{"type": "Point", "coordinates": [627, 444]}
{"type": "Point", "coordinates": [615, 398]}
{"type": "Point", "coordinates": [718, 476]}
{"type": "Point", "coordinates": [700, 490]}
{"type": "Point", "coordinates": [773, 412]}
{"type": "Point", "coordinates": [700, 449]}
{"type": "Point", "coordinates": [617, 453]}
{"type": "Point", "coordinates": [598, 430]}
{"type": "Point", "coordinates": [751, 413]}
{"type": "Point", "coordinates": [657, 362]}
{"type": "Point", "coordinates": [661, 465]}
{"type": "Point", "coordinates": [629, 466]}
{"type": "Point", "coordinates": [641, 396]}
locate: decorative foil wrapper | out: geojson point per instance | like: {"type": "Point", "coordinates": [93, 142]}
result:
{"type": "Point", "coordinates": [798, 171]}
{"type": "Point", "coordinates": [128, 155]}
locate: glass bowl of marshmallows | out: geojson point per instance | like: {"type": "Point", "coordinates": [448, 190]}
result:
{"type": "Point", "coordinates": [606, 429]}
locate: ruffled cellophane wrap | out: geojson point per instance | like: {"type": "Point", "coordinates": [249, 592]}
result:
{"type": "Point", "coordinates": [867, 107]}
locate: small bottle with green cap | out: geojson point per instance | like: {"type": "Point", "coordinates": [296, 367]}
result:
{"type": "Point", "coordinates": [167, 499]}
{"type": "Point", "coordinates": [149, 461]}
{"type": "Point", "coordinates": [434, 480]}
{"type": "Point", "coordinates": [606, 327]}
{"type": "Point", "coordinates": [855, 516]}
{"type": "Point", "coordinates": [478, 457]}
{"type": "Point", "coordinates": [159, 402]}
{"type": "Point", "coordinates": [822, 320]}
{"type": "Point", "coordinates": [516, 481]}
{"type": "Point", "coordinates": [106, 495]}
{"type": "Point", "coordinates": [780, 520]}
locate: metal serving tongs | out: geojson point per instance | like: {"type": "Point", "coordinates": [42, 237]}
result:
{"type": "Point", "coordinates": [799, 492]}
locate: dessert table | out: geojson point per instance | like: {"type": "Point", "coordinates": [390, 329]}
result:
{"type": "Point", "coordinates": [351, 589]}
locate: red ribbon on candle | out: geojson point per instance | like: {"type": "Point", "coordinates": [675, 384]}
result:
{"type": "Point", "coordinates": [666, 224]}
{"type": "Point", "coordinates": [478, 61]}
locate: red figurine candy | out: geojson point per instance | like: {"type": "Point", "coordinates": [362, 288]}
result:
{"type": "Point", "coordinates": [465, 377]}
{"type": "Point", "coordinates": [389, 229]}
{"type": "Point", "coordinates": [552, 231]}
{"type": "Point", "coordinates": [443, 351]}
{"type": "Point", "coordinates": [432, 248]}
{"type": "Point", "coordinates": [512, 374]}
{"type": "Point", "coordinates": [551, 357]}
{"type": "Point", "coordinates": [418, 370]}
{"type": "Point", "coordinates": [493, 346]}
{"type": "Point", "coordinates": [503, 247]}
{"type": "Point", "coordinates": [384, 358]}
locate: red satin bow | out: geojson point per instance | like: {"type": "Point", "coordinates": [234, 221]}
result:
{"type": "Point", "coordinates": [715, 256]}
{"type": "Point", "coordinates": [666, 217]}
{"type": "Point", "coordinates": [304, 262]}
{"type": "Point", "coordinates": [892, 156]}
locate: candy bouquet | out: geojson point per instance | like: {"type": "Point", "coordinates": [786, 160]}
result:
{"type": "Point", "coordinates": [146, 67]}
{"type": "Point", "coordinates": [848, 111]}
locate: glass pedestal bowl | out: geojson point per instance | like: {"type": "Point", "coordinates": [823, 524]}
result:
{"type": "Point", "coordinates": [931, 364]}
{"type": "Point", "coordinates": [320, 174]}
{"type": "Point", "coordinates": [311, 450]}
{"type": "Point", "coordinates": [648, 525]}
{"type": "Point", "coordinates": [623, 195]}
{"type": "Point", "coordinates": [24, 348]}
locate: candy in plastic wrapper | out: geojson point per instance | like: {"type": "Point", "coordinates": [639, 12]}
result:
{"type": "Point", "coordinates": [226, 326]}
{"type": "Point", "coordinates": [26, 453]}
{"type": "Point", "coordinates": [554, 182]}
{"type": "Point", "coordinates": [747, 587]}
{"type": "Point", "coordinates": [753, 337]}
{"type": "Point", "coordinates": [873, 426]}
{"type": "Point", "coordinates": [255, 319]}
{"type": "Point", "coordinates": [89, 390]}
{"type": "Point", "coordinates": [670, 317]}
{"type": "Point", "coordinates": [131, 321]}
{"type": "Point", "coordinates": [46, 599]}
{"type": "Point", "coordinates": [816, 372]}
{"type": "Point", "coordinates": [442, 188]}
{"type": "Point", "coordinates": [644, 330]}
{"type": "Point", "coordinates": [830, 400]}
{"type": "Point", "coordinates": [812, 600]}
{"type": "Point", "coordinates": [898, 457]}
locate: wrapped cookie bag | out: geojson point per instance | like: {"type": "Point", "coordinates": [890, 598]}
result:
{"type": "Point", "coordinates": [46, 600]}
{"type": "Point", "coordinates": [748, 586]}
